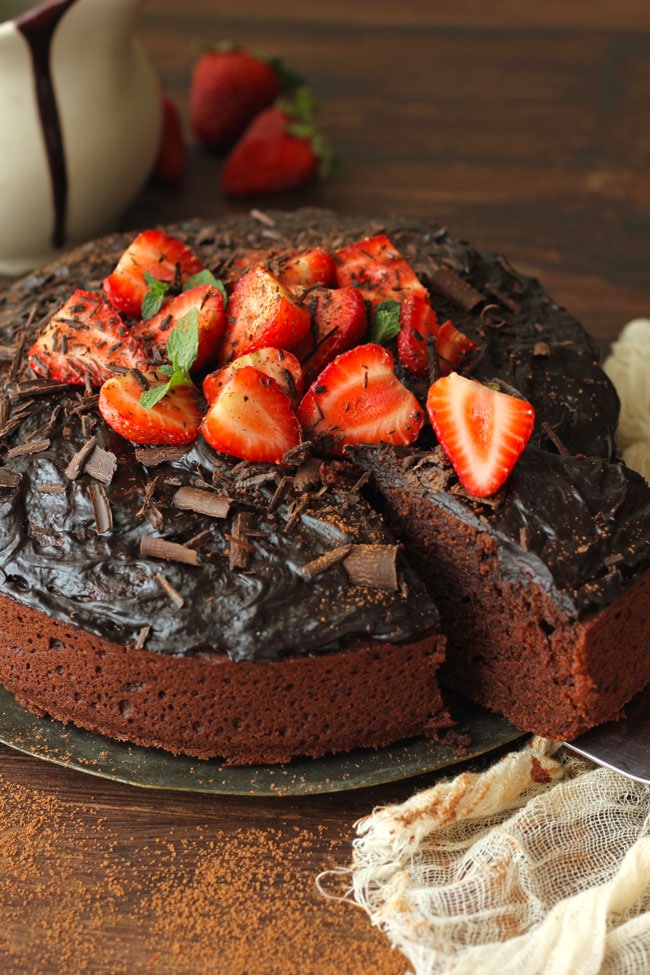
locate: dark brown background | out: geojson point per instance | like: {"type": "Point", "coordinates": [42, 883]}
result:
{"type": "Point", "coordinates": [522, 126]}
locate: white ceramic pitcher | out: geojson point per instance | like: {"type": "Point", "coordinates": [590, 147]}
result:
{"type": "Point", "coordinates": [80, 120]}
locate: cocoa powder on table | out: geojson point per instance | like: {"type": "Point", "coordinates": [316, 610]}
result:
{"type": "Point", "coordinates": [73, 899]}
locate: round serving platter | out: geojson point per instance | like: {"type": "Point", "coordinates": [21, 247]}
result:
{"type": "Point", "coordinates": [152, 768]}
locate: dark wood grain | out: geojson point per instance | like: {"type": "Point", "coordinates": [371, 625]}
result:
{"type": "Point", "coordinates": [520, 126]}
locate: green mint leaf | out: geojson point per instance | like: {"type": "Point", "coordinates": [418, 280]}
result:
{"type": "Point", "coordinates": [166, 369]}
{"type": "Point", "coordinates": [207, 277]}
{"type": "Point", "coordinates": [153, 299]}
{"type": "Point", "coordinates": [385, 323]}
{"type": "Point", "coordinates": [153, 395]}
{"type": "Point", "coordinates": [183, 342]}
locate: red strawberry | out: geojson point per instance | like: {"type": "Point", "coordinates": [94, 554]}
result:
{"type": "Point", "coordinates": [339, 322]}
{"type": "Point", "coordinates": [419, 326]}
{"type": "Point", "coordinates": [85, 341]}
{"type": "Point", "coordinates": [377, 269]}
{"type": "Point", "coordinates": [170, 163]}
{"type": "Point", "coordinates": [358, 399]}
{"type": "Point", "coordinates": [280, 150]}
{"type": "Point", "coordinates": [294, 269]}
{"type": "Point", "coordinates": [174, 420]}
{"type": "Point", "coordinates": [154, 253]}
{"type": "Point", "coordinates": [452, 346]}
{"type": "Point", "coordinates": [482, 430]}
{"type": "Point", "coordinates": [252, 418]}
{"type": "Point", "coordinates": [281, 366]}
{"type": "Point", "coordinates": [208, 302]}
{"type": "Point", "coordinates": [262, 312]}
{"type": "Point", "coordinates": [229, 87]}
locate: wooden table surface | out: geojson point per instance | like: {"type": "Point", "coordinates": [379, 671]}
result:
{"type": "Point", "coordinates": [523, 127]}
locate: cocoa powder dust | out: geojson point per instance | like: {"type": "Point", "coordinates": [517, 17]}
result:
{"type": "Point", "coordinates": [156, 885]}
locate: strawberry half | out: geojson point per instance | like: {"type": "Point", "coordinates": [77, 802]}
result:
{"type": "Point", "coordinates": [482, 430]}
{"type": "Point", "coordinates": [252, 418]}
{"type": "Point", "coordinates": [155, 253]}
{"type": "Point", "coordinates": [358, 399]}
{"type": "Point", "coordinates": [338, 322]}
{"type": "Point", "coordinates": [377, 269]}
{"type": "Point", "coordinates": [281, 366]}
{"type": "Point", "coordinates": [85, 341]}
{"type": "Point", "coordinates": [418, 327]}
{"type": "Point", "coordinates": [262, 312]}
{"type": "Point", "coordinates": [208, 302]}
{"type": "Point", "coordinates": [174, 420]}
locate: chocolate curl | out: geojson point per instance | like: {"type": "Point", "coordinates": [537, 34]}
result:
{"type": "Point", "coordinates": [202, 502]}
{"type": "Point", "coordinates": [446, 282]}
{"type": "Point", "coordinates": [326, 561]}
{"type": "Point", "coordinates": [101, 508]}
{"type": "Point", "coordinates": [373, 565]}
{"type": "Point", "coordinates": [160, 548]}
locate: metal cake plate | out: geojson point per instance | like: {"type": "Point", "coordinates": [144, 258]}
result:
{"type": "Point", "coordinates": [152, 768]}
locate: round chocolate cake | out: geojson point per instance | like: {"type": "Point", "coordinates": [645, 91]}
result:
{"type": "Point", "coordinates": [181, 597]}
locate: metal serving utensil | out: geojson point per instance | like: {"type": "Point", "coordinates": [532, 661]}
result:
{"type": "Point", "coordinates": [621, 745]}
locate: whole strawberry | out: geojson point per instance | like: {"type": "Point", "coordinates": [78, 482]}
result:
{"type": "Point", "coordinates": [281, 149]}
{"type": "Point", "coordinates": [229, 87]}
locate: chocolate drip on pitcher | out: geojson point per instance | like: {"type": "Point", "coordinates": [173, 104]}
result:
{"type": "Point", "coordinates": [38, 27]}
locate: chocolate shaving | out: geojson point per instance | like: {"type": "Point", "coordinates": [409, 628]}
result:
{"type": "Point", "coordinates": [169, 590]}
{"type": "Point", "coordinates": [153, 456]}
{"type": "Point", "coordinates": [326, 561]}
{"type": "Point", "coordinates": [240, 548]}
{"type": "Point", "coordinates": [77, 464]}
{"type": "Point", "coordinates": [142, 637]}
{"type": "Point", "coordinates": [446, 282]}
{"type": "Point", "coordinates": [308, 475]}
{"type": "Point", "coordinates": [37, 387]}
{"type": "Point", "coordinates": [373, 565]}
{"type": "Point", "coordinates": [504, 299]}
{"type": "Point", "coordinates": [101, 507]}
{"type": "Point", "coordinates": [561, 448]}
{"type": "Point", "coordinates": [101, 465]}
{"type": "Point", "coordinates": [160, 548]}
{"type": "Point", "coordinates": [33, 447]}
{"type": "Point", "coordinates": [264, 218]}
{"type": "Point", "coordinates": [198, 541]}
{"type": "Point", "coordinates": [51, 487]}
{"type": "Point", "coordinates": [613, 559]}
{"type": "Point", "coordinates": [202, 502]}
{"type": "Point", "coordinates": [542, 349]}
{"type": "Point", "coordinates": [9, 479]}
{"type": "Point", "coordinates": [280, 493]}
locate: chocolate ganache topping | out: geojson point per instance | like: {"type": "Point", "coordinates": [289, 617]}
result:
{"type": "Point", "coordinates": [76, 500]}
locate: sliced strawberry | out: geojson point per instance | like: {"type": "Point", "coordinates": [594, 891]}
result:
{"type": "Point", "coordinates": [482, 430]}
{"type": "Point", "coordinates": [358, 399]}
{"type": "Point", "coordinates": [281, 366]}
{"type": "Point", "coordinates": [452, 346]}
{"type": "Point", "coordinates": [293, 269]}
{"type": "Point", "coordinates": [152, 252]}
{"type": "Point", "coordinates": [85, 341]}
{"type": "Point", "coordinates": [252, 418]}
{"type": "Point", "coordinates": [208, 302]}
{"type": "Point", "coordinates": [338, 322]}
{"type": "Point", "coordinates": [262, 312]}
{"type": "Point", "coordinates": [419, 328]}
{"type": "Point", "coordinates": [377, 269]}
{"type": "Point", "coordinates": [174, 420]}
{"type": "Point", "coordinates": [305, 269]}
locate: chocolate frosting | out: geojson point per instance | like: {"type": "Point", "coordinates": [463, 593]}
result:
{"type": "Point", "coordinates": [585, 520]}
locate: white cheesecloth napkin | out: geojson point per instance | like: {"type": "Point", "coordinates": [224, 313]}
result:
{"type": "Point", "coordinates": [539, 865]}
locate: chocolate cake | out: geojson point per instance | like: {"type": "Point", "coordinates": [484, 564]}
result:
{"type": "Point", "coordinates": [177, 598]}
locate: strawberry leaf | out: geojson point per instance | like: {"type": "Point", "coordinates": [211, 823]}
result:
{"type": "Point", "coordinates": [385, 323]}
{"type": "Point", "coordinates": [153, 299]}
{"type": "Point", "coordinates": [182, 349]}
